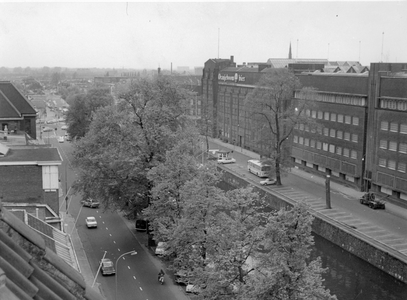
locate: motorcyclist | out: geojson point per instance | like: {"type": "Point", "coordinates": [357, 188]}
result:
{"type": "Point", "coordinates": [160, 274]}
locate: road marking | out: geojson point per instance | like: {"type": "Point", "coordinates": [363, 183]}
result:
{"type": "Point", "coordinates": [128, 267]}
{"type": "Point", "coordinates": [118, 249]}
{"type": "Point", "coordinates": [110, 234]}
{"type": "Point", "coordinates": [114, 242]}
{"type": "Point", "coordinates": [107, 228]}
{"type": "Point", "coordinates": [140, 288]}
{"type": "Point", "coordinates": [134, 277]}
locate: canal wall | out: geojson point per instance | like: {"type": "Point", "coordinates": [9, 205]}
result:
{"type": "Point", "coordinates": [372, 251]}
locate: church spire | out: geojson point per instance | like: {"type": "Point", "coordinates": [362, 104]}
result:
{"type": "Point", "coordinates": [289, 53]}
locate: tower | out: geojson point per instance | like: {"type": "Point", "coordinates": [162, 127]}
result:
{"type": "Point", "coordinates": [289, 53]}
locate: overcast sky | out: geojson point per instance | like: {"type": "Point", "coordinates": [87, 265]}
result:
{"type": "Point", "coordinates": [149, 35]}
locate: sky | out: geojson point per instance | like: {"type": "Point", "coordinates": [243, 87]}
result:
{"type": "Point", "coordinates": [160, 34]}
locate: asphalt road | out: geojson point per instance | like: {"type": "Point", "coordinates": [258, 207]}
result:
{"type": "Point", "coordinates": [136, 275]}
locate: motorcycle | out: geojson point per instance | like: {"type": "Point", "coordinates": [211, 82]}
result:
{"type": "Point", "coordinates": [161, 279]}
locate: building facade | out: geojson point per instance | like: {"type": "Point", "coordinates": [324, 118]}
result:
{"type": "Point", "coordinates": [361, 137]}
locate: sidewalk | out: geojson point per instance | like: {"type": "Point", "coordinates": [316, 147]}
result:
{"type": "Point", "coordinates": [383, 231]}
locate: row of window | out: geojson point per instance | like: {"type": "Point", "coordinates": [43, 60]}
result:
{"type": "Point", "coordinates": [339, 134]}
{"type": "Point", "coordinates": [391, 164]}
{"type": "Point", "coordinates": [332, 98]}
{"type": "Point", "coordinates": [393, 146]}
{"type": "Point", "coordinates": [334, 117]}
{"type": "Point", "coordinates": [326, 147]}
{"type": "Point", "coordinates": [393, 127]}
{"type": "Point", "coordinates": [393, 104]}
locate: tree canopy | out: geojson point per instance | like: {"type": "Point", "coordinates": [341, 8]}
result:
{"type": "Point", "coordinates": [275, 113]}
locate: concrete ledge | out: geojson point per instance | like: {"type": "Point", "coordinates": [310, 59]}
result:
{"type": "Point", "coordinates": [372, 251]}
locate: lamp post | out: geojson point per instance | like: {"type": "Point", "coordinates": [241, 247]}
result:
{"type": "Point", "coordinates": [117, 271]}
{"type": "Point", "coordinates": [328, 192]}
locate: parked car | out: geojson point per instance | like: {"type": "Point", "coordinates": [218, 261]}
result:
{"type": "Point", "coordinates": [195, 289]}
{"type": "Point", "coordinates": [61, 139]}
{"type": "Point", "coordinates": [90, 203]}
{"type": "Point", "coordinates": [162, 249]}
{"type": "Point", "coordinates": [91, 222]}
{"type": "Point", "coordinates": [372, 201]}
{"type": "Point", "coordinates": [226, 160]}
{"type": "Point", "coordinates": [64, 127]}
{"type": "Point", "coordinates": [268, 181]}
{"type": "Point", "coordinates": [47, 129]}
{"type": "Point", "coordinates": [107, 267]}
{"type": "Point", "coordinates": [141, 225]}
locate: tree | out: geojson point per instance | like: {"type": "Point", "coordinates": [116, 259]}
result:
{"type": "Point", "coordinates": [283, 270]}
{"type": "Point", "coordinates": [79, 115]}
{"type": "Point", "coordinates": [125, 141]}
{"type": "Point", "coordinates": [275, 114]}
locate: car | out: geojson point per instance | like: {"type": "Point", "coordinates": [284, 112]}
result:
{"type": "Point", "coordinates": [91, 222]}
{"type": "Point", "coordinates": [141, 225]}
{"type": "Point", "coordinates": [90, 203]}
{"type": "Point", "coordinates": [371, 200]}
{"type": "Point", "coordinates": [195, 289]}
{"type": "Point", "coordinates": [226, 160]}
{"type": "Point", "coordinates": [161, 249]}
{"type": "Point", "coordinates": [47, 129]}
{"type": "Point", "coordinates": [268, 181]}
{"type": "Point", "coordinates": [61, 139]}
{"type": "Point", "coordinates": [107, 267]}
{"type": "Point", "coordinates": [64, 127]}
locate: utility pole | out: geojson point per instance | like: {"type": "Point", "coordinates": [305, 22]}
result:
{"type": "Point", "coordinates": [328, 191]}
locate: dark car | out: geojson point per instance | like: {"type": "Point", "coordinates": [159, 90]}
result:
{"type": "Point", "coordinates": [90, 203]}
{"type": "Point", "coordinates": [107, 267]}
{"type": "Point", "coordinates": [141, 225]}
{"type": "Point", "coordinates": [371, 200]}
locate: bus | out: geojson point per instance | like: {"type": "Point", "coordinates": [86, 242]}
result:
{"type": "Point", "coordinates": [258, 168]}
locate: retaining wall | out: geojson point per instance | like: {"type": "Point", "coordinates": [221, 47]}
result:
{"type": "Point", "coordinates": [372, 251]}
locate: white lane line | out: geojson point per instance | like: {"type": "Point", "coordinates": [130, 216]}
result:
{"type": "Point", "coordinates": [114, 242]}
{"type": "Point", "coordinates": [140, 288]}
{"type": "Point", "coordinates": [107, 228]}
{"type": "Point", "coordinates": [134, 277]}
{"type": "Point", "coordinates": [110, 234]}
{"type": "Point", "coordinates": [118, 249]}
{"type": "Point", "coordinates": [128, 267]}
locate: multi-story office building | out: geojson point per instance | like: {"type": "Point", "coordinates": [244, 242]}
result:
{"type": "Point", "coordinates": [362, 137]}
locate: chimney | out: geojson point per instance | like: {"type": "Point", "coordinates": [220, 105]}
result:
{"type": "Point", "coordinates": [231, 58]}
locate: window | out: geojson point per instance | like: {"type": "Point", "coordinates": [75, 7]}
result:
{"type": "Point", "coordinates": [312, 143]}
{"type": "Point", "coordinates": [332, 148]}
{"type": "Point", "coordinates": [50, 178]}
{"type": "Point", "coordinates": [401, 167]}
{"type": "Point", "coordinates": [332, 133]}
{"type": "Point", "coordinates": [295, 139]}
{"type": "Point", "coordinates": [383, 144]}
{"type": "Point", "coordinates": [392, 146]}
{"type": "Point", "coordinates": [301, 126]}
{"type": "Point", "coordinates": [339, 134]}
{"type": "Point", "coordinates": [394, 127]}
{"type": "Point", "coordinates": [391, 164]}
{"type": "Point", "coordinates": [306, 127]}
{"type": "Point", "coordinates": [403, 128]}
{"type": "Point", "coordinates": [326, 131]}
{"type": "Point", "coordinates": [347, 136]}
{"type": "Point", "coordinates": [339, 150]}
{"type": "Point", "coordinates": [319, 129]}
{"type": "Point", "coordinates": [333, 117]}
{"type": "Point", "coordinates": [382, 162]}
{"type": "Point", "coordinates": [353, 154]}
{"type": "Point", "coordinates": [326, 116]}
{"type": "Point", "coordinates": [403, 148]}
{"type": "Point", "coordinates": [314, 114]}
{"type": "Point", "coordinates": [320, 114]}
{"type": "Point", "coordinates": [308, 112]}
{"type": "Point", "coordinates": [384, 125]}
{"type": "Point", "coordinates": [301, 140]}
{"type": "Point", "coordinates": [354, 138]}
{"type": "Point", "coordinates": [325, 146]}
{"type": "Point", "coordinates": [306, 141]}
{"type": "Point", "coordinates": [346, 152]}
{"type": "Point", "coordinates": [347, 119]}
{"type": "Point", "coordinates": [319, 145]}
{"type": "Point", "coordinates": [355, 121]}
{"type": "Point", "coordinates": [340, 118]}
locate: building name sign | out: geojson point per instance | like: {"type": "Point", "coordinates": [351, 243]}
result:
{"type": "Point", "coordinates": [235, 78]}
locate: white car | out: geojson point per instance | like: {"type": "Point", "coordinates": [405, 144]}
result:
{"type": "Point", "coordinates": [268, 181]}
{"type": "Point", "coordinates": [47, 129]}
{"type": "Point", "coordinates": [161, 249]}
{"type": "Point", "coordinates": [226, 160]}
{"type": "Point", "coordinates": [64, 127]}
{"type": "Point", "coordinates": [61, 139]}
{"type": "Point", "coordinates": [91, 222]}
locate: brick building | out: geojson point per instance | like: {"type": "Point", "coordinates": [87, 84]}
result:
{"type": "Point", "coordinates": [362, 137]}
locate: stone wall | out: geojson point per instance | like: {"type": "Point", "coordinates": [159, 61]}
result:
{"type": "Point", "coordinates": [349, 239]}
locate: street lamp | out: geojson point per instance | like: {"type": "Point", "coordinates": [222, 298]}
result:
{"type": "Point", "coordinates": [328, 191]}
{"type": "Point", "coordinates": [117, 271]}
